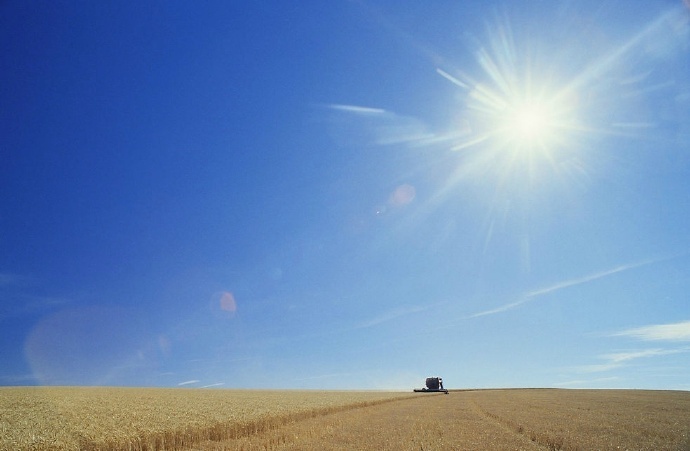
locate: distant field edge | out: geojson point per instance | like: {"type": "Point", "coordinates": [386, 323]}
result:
{"type": "Point", "coordinates": [631, 390]}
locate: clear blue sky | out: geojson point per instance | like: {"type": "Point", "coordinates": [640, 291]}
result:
{"type": "Point", "coordinates": [345, 194]}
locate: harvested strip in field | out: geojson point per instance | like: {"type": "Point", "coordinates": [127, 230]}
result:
{"type": "Point", "coordinates": [426, 422]}
{"type": "Point", "coordinates": [496, 420]}
{"type": "Point", "coordinates": [66, 418]}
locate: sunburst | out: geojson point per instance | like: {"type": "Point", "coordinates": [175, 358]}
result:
{"type": "Point", "coordinates": [518, 106]}
{"type": "Point", "coordinates": [529, 122]}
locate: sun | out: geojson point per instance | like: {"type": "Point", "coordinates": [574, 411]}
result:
{"type": "Point", "coordinates": [522, 117]}
{"type": "Point", "coordinates": [519, 102]}
{"type": "Point", "coordinates": [529, 123]}
{"type": "Point", "coordinates": [505, 111]}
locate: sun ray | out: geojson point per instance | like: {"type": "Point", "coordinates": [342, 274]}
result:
{"type": "Point", "coordinates": [518, 112]}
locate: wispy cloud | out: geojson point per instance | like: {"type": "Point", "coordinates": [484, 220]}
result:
{"type": "Point", "coordinates": [500, 309]}
{"type": "Point", "coordinates": [218, 384]}
{"type": "Point", "coordinates": [193, 381]}
{"type": "Point", "coordinates": [531, 295]}
{"type": "Point", "coordinates": [391, 315]}
{"type": "Point", "coordinates": [674, 332]}
{"type": "Point", "coordinates": [586, 279]}
{"type": "Point", "coordinates": [632, 355]}
{"type": "Point", "coordinates": [452, 79]}
{"type": "Point", "coordinates": [620, 359]}
{"type": "Point", "coordinates": [659, 332]}
{"type": "Point", "coordinates": [382, 127]}
{"type": "Point", "coordinates": [364, 110]}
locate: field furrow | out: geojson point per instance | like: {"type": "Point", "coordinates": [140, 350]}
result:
{"type": "Point", "coordinates": [426, 422]}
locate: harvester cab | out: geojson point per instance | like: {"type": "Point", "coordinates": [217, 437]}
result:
{"type": "Point", "coordinates": [433, 385]}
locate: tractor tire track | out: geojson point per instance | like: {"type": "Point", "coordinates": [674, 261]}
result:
{"type": "Point", "coordinates": [424, 422]}
{"type": "Point", "coordinates": [517, 428]}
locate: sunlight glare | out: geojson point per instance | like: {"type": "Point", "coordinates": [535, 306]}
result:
{"type": "Point", "coordinates": [529, 123]}
{"type": "Point", "coordinates": [520, 119]}
{"type": "Point", "coordinates": [518, 103]}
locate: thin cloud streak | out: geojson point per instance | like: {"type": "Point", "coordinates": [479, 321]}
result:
{"type": "Point", "coordinates": [382, 127]}
{"type": "Point", "coordinates": [452, 79]}
{"type": "Point", "coordinates": [529, 296]}
{"type": "Point", "coordinates": [356, 109]}
{"type": "Point", "coordinates": [659, 332]}
{"type": "Point", "coordinates": [391, 315]}
{"type": "Point", "coordinates": [619, 359]}
{"type": "Point", "coordinates": [500, 309]}
{"type": "Point", "coordinates": [194, 381]}
{"type": "Point", "coordinates": [585, 279]}
{"type": "Point", "coordinates": [626, 356]}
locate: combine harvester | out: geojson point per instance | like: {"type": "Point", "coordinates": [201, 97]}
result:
{"type": "Point", "coordinates": [433, 385]}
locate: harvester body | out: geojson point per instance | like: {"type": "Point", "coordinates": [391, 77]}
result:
{"type": "Point", "coordinates": [433, 385]}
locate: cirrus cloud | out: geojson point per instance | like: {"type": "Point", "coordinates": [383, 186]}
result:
{"type": "Point", "coordinates": [659, 332]}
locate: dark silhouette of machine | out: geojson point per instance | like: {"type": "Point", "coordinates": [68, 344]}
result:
{"type": "Point", "coordinates": [433, 385]}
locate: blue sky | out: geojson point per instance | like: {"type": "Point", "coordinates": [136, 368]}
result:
{"type": "Point", "coordinates": [346, 194]}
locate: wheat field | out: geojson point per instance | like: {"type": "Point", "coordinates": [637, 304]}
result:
{"type": "Point", "coordinates": [194, 419]}
{"type": "Point", "coordinates": [70, 418]}
{"type": "Point", "coordinates": [522, 419]}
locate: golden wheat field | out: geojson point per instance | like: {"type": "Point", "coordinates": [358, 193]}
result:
{"type": "Point", "coordinates": [494, 420]}
{"type": "Point", "coordinates": [148, 419]}
{"type": "Point", "coordinates": [67, 418]}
